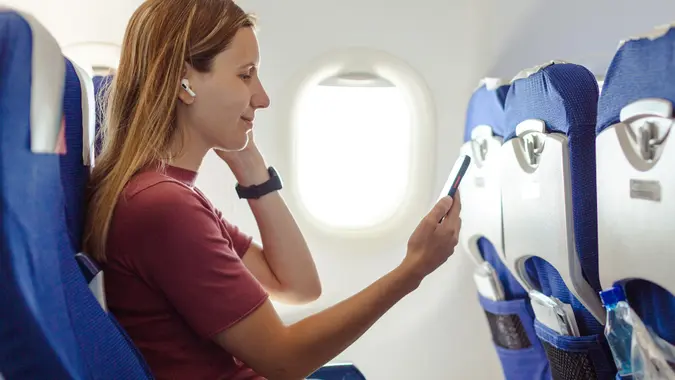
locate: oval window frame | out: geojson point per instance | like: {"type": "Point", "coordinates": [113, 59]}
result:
{"type": "Point", "coordinates": [423, 147]}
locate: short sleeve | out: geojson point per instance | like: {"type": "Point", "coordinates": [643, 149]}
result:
{"type": "Point", "coordinates": [241, 241]}
{"type": "Point", "coordinates": [184, 253]}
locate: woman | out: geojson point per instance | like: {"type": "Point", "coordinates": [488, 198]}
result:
{"type": "Point", "coordinates": [188, 286]}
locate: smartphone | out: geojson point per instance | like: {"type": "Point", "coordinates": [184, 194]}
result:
{"type": "Point", "coordinates": [455, 178]}
{"type": "Point", "coordinates": [456, 175]}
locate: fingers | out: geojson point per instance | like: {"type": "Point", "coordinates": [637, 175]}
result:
{"type": "Point", "coordinates": [455, 235]}
{"type": "Point", "coordinates": [456, 207]}
{"type": "Point", "coordinates": [452, 222]}
{"type": "Point", "coordinates": [439, 210]}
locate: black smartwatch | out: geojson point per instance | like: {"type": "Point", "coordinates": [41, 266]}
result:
{"type": "Point", "coordinates": [257, 191]}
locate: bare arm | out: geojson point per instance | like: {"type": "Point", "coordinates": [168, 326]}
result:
{"type": "Point", "coordinates": [283, 264]}
{"type": "Point", "coordinates": [279, 352]}
{"type": "Point", "coordinates": [293, 352]}
{"type": "Point", "coordinates": [255, 260]}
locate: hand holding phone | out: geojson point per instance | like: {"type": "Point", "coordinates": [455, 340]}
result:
{"type": "Point", "coordinates": [456, 174]}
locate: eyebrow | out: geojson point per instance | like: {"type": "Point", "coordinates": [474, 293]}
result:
{"type": "Point", "coordinates": [248, 66]}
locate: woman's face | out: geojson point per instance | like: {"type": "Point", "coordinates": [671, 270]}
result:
{"type": "Point", "coordinates": [222, 112]}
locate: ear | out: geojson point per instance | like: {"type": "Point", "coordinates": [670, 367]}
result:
{"type": "Point", "coordinates": [186, 96]}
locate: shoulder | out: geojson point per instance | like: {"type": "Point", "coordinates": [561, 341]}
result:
{"type": "Point", "coordinates": [155, 190]}
{"type": "Point", "coordinates": [151, 197]}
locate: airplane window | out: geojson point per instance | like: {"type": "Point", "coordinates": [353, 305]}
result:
{"type": "Point", "coordinates": [353, 150]}
{"type": "Point", "coordinates": [97, 58]}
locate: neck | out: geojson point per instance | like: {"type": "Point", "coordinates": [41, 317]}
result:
{"type": "Point", "coordinates": [188, 160]}
{"type": "Point", "coordinates": [191, 154]}
{"type": "Point", "coordinates": [189, 149]}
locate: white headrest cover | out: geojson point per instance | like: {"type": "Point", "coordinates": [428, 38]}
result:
{"type": "Point", "coordinates": [533, 70]}
{"type": "Point", "coordinates": [491, 84]}
{"type": "Point", "coordinates": [657, 32]}
{"type": "Point", "coordinates": [48, 76]}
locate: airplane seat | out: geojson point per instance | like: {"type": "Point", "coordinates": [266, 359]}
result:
{"type": "Point", "coordinates": [484, 127]}
{"type": "Point", "coordinates": [340, 371]}
{"type": "Point", "coordinates": [78, 109]}
{"type": "Point", "coordinates": [93, 326]}
{"type": "Point", "coordinates": [635, 166]}
{"type": "Point", "coordinates": [36, 340]}
{"type": "Point", "coordinates": [549, 210]}
{"type": "Point", "coordinates": [52, 326]}
{"type": "Point", "coordinates": [508, 311]}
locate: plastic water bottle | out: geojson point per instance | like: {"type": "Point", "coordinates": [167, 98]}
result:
{"type": "Point", "coordinates": [619, 328]}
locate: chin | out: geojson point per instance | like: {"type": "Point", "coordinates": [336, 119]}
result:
{"type": "Point", "coordinates": [240, 143]}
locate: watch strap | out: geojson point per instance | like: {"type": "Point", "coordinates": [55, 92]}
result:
{"type": "Point", "coordinates": [259, 190]}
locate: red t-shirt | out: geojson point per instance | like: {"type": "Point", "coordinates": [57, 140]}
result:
{"type": "Point", "coordinates": [175, 278]}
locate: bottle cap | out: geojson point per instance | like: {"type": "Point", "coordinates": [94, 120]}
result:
{"type": "Point", "coordinates": [612, 296]}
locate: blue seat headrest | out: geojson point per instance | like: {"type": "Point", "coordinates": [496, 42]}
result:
{"type": "Point", "coordinates": [642, 68]}
{"type": "Point", "coordinates": [563, 95]}
{"type": "Point", "coordinates": [486, 107]}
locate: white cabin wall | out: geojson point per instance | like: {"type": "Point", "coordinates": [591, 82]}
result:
{"type": "Point", "coordinates": [526, 33]}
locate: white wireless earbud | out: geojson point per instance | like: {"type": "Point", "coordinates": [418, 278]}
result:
{"type": "Point", "coordinates": [186, 86]}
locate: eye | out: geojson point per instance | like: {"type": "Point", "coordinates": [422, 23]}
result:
{"type": "Point", "coordinates": [245, 76]}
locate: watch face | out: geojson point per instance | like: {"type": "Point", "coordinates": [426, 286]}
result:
{"type": "Point", "coordinates": [274, 174]}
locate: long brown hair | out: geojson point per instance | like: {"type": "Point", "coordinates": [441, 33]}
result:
{"type": "Point", "coordinates": [139, 105]}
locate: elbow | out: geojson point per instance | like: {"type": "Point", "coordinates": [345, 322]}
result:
{"type": "Point", "coordinates": [313, 291]}
{"type": "Point", "coordinates": [309, 292]}
{"type": "Point", "coordinates": [302, 293]}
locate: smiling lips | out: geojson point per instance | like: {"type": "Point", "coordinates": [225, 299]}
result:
{"type": "Point", "coordinates": [247, 120]}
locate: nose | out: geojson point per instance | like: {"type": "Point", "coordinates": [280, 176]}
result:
{"type": "Point", "coordinates": [260, 99]}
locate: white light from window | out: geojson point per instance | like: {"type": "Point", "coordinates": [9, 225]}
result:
{"type": "Point", "coordinates": [97, 58]}
{"type": "Point", "coordinates": [353, 153]}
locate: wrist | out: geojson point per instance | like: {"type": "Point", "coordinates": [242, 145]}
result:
{"type": "Point", "coordinates": [249, 170]}
{"type": "Point", "coordinates": [409, 277]}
